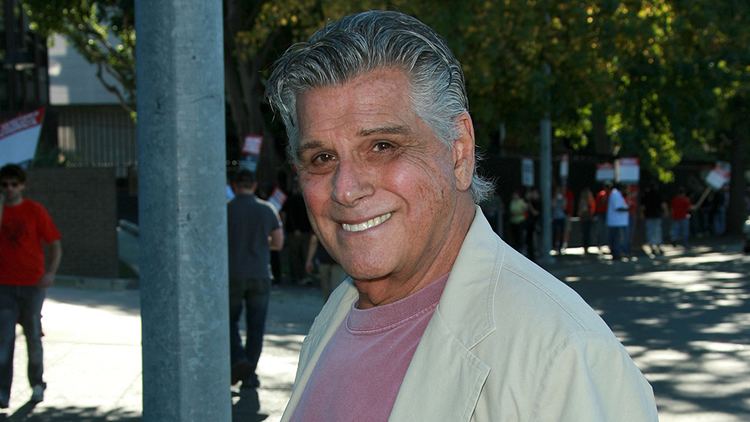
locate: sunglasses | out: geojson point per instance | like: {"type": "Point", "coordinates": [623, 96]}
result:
{"type": "Point", "coordinates": [10, 184]}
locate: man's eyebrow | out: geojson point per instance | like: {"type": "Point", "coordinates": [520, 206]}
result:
{"type": "Point", "coordinates": [385, 130]}
{"type": "Point", "coordinates": [308, 145]}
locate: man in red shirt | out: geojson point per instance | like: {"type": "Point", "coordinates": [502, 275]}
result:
{"type": "Point", "coordinates": [25, 227]}
{"type": "Point", "coordinates": [681, 207]}
{"type": "Point", "coordinates": [600, 215]}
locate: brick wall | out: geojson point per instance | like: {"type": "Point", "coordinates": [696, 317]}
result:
{"type": "Point", "coordinates": [83, 204]}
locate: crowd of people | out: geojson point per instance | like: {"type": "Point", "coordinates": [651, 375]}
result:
{"type": "Point", "coordinates": [616, 219]}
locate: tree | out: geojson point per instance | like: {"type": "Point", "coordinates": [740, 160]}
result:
{"type": "Point", "coordinates": [102, 31]}
{"type": "Point", "coordinates": [654, 78]}
{"type": "Point", "coordinates": [715, 38]}
{"type": "Point", "coordinates": [255, 33]}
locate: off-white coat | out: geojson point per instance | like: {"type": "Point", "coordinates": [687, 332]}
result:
{"type": "Point", "coordinates": [507, 342]}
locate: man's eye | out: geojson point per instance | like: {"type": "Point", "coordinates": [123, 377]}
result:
{"type": "Point", "coordinates": [322, 159]}
{"type": "Point", "coordinates": [382, 146]}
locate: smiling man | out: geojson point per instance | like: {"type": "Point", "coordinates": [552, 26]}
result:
{"type": "Point", "coordinates": [440, 319]}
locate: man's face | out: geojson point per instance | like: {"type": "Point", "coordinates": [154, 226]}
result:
{"type": "Point", "coordinates": [12, 189]}
{"type": "Point", "coordinates": [384, 194]}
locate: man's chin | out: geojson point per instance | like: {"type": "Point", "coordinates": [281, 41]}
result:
{"type": "Point", "coordinates": [366, 275]}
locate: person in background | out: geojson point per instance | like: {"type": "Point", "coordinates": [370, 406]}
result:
{"type": "Point", "coordinates": [254, 230]}
{"type": "Point", "coordinates": [681, 208]}
{"type": "Point", "coordinates": [26, 230]}
{"type": "Point", "coordinates": [297, 239]}
{"type": "Point", "coordinates": [533, 200]}
{"type": "Point", "coordinates": [600, 215]}
{"type": "Point", "coordinates": [518, 211]}
{"type": "Point", "coordinates": [653, 210]}
{"type": "Point", "coordinates": [586, 210]}
{"type": "Point", "coordinates": [439, 319]}
{"type": "Point", "coordinates": [330, 272]}
{"type": "Point", "coordinates": [570, 203]}
{"type": "Point", "coordinates": [718, 207]}
{"type": "Point", "coordinates": [631, 198]}
{"type": "Point", "coordinates": [617, 222]}
{"type": "Point", "coordinates": [491, 209]}
{"type": "Point", "coordinates": [559, 216]}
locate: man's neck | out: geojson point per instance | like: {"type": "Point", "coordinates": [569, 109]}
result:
{"type": "Point", "coordinates": [242, 191]}
{"type": "Point", "coordinates": [14, 203]}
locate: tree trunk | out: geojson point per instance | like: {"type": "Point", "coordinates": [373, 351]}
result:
{"type": "Point", "coordinates": [736, 213]}
{"type": "Point", "coordinates": [602, 143]}
{"type": "Point", "coordinates": [244, 90]}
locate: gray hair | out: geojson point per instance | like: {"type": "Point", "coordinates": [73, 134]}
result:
{"type": "Point", "coordinates": [363, 42]}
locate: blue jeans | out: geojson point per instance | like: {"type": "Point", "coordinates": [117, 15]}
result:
{"type": "Point", "coordinates": [602, 231]}
{"type": "Point", "coordinates": [23, 305]}
{"type": "Point", "coordinates": [681, 231]}
{"type": "Point", "coordinates": [653, 231]}
{"type": "Point", "coordinates": [254, 293]}
{"type": "Point", "coordinates": [558, 233]}
{"type": "Point", "coordinates": [617, 240]}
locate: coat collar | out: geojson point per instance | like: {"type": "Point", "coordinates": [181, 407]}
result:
{"type": "Point", "coordinates": [443, 370]}
{"type": "Point", "coordinates": [466, 306]}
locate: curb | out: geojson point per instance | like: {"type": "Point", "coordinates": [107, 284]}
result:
{"type": "Point", "coordinates": [94, 283]}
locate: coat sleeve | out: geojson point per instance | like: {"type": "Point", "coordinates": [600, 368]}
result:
{"type": "Point", "coordinates": [590, 377]}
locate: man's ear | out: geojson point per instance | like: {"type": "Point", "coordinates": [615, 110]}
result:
{"type": "Point", "coordinates": [463, 152]}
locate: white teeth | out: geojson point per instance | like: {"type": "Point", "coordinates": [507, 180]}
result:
{"type": "Point", "coordinates": [367, 224]}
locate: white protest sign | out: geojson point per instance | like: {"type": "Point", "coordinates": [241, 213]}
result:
{"type": "Point", "coordinates": [719, 175]}
{"type": "Point", "coordinates": [564, 166]}
{"type": "Point", "coordinates": [252, 145]}
{"type": "Point", "coordinates": [527, 172]}
{"type": "Point", "coordinates": [605, 172]}
{"type": "Point", "coordinates": [277, 199]}
{"type": "Point", "coordinates": [627, 170]}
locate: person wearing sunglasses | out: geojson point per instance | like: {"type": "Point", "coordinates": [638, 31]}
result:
{"type": "Point", "coordinates": [26, 229]}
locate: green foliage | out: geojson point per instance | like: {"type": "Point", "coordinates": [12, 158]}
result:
{"type": "Point", "coordinates": [665, 76]}
{"type": "Point", "coordinates": [103, 31]}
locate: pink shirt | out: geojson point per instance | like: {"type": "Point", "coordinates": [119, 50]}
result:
{"type": "Point", "coordinates": [360, 371]}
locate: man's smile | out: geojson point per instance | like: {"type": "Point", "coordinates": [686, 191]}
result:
{"type": "Point", "coordinates": [373, 222]}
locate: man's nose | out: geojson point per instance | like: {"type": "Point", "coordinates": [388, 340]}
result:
{"type": "Point", "coordinates": [351, 182]}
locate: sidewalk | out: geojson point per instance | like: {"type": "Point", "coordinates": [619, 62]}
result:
{"type": "Point", "coordinates": [93, 357]}
{"type": "Point", "coordinates": [683, 317]}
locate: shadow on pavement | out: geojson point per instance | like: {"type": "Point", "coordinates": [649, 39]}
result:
{"type": "Point", "coordinates": [28, 413]}
{"type": "Point", "coordinates": [685, 320]}
{"type": "Point", "coordinates": [247, 408]}
{"type": "Point", "coordinates": [124, 301]}
{"type": "Point", "coordinates": [292, 310]}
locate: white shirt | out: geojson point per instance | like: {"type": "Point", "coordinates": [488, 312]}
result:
{"type": "Point", "coordinates": [616, 218]}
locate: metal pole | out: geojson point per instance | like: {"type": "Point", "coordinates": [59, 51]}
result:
{"type": "Point", "coordinates": [545, 182]}
{"type": "Point", "coordinates": [182, 211]}
{"type": "Point", "coordinates": [545, 171]}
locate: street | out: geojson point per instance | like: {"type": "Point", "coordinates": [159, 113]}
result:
{"type": "Point", "coordinates": [684, 318]}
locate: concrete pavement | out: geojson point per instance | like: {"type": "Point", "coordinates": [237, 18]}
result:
{"type": "Point", "coordinates": [93, 357]}
{"type": "Point", "coordinates": [685, 319]}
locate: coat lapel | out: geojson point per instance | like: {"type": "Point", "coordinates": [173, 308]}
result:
{"type": "Point", "coordinates": [443, 381]}
{"type": "Point", "coordinates": [445, 378]}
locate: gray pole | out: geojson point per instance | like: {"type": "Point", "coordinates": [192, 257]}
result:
{"type": "Point", "coordinates": [182, 211]}
{"type": "Point", "coordinates": [545, 182]}
{"type": "Point", "coordinates": [545, 177]}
